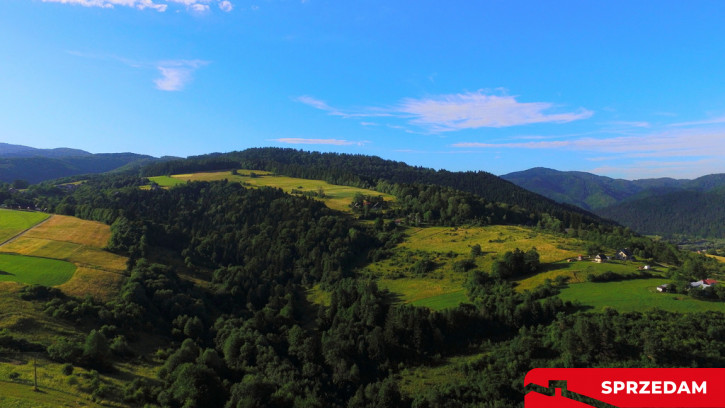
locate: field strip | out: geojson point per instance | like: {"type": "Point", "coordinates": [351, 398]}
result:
{"type": "Point", "coordinates": [11, 239]}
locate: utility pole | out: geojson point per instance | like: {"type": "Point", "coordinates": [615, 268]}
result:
{"type": "Point", "coordinates": [35, 373]}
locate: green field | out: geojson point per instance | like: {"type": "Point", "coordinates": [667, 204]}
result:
{"type": "Point", "coordinates": [442, 287]}
{"type": "Point", "coordinates": [38, 271]}
{"type": "Point", "coordinates": [80, 242]}
{"type": "Point", "coordinates": [577, 272]}
{"type": "Point", "coordinates": [14, 222]}
{"type": "Point", "coordinates": [634, 295]}
{"type": "Point", "coordinates": [336, 197]}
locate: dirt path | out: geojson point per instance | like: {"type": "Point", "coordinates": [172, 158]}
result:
{"type": "Point", "coordinates": [21, 233]}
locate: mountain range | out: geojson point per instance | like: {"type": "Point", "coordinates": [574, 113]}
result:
{"type": "Point", "coordinates": [35, 165]}
{"type": "Point", "coordinates": [662, 206]}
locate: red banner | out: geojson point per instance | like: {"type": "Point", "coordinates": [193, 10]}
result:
{"type": "Point", "coordinates": [625, 387]}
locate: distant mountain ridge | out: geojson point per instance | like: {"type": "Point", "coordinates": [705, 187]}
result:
{"type": "Point", "coordinates": [13, 151]}
{"type": "Point", "coordinates": [35, 165]}
{"type": "Point", "coordinates": [593, 192]}
{"type": "Point", "coordinates": [662, 206]}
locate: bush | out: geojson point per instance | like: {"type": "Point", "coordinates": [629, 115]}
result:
{"type": "Point", "coordinates": [67, 369]}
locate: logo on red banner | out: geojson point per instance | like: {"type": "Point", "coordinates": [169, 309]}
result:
{"type": "Point", "coordinates": [625, 387]}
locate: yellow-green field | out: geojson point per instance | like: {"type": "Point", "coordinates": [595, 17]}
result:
{"type": "Point", "coordinates": [336, 197]}
{"type": "Point", "coordinates": [14, 222]}
{"type": "Point", "coordinates": [80, 242]}
{"type": "Point", "coordinates": [442, 287]}
{"type": "Point", "coordinates": [719, 258]}
{"type": "Point", "coordinates": [577, 272]}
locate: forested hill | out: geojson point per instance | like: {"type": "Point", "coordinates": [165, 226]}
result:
{"type": "Point", "coordinates": [592, 192]}
{"type": "Point", "coordinates": [8, 150]}
{"type": "Point", "coordinates": [37, 169]}
{"type": "Point", "coordinates": [691, 213]}
{"type": "Point", "coordinates": [367, 171]}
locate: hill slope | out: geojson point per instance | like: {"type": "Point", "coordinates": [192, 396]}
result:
{"type": "Point", "coordinates": [592, 192]}
{"type": "Point", "coordinates": [35, 165]}
{"type": "Point", "coordinates": [368, 172]}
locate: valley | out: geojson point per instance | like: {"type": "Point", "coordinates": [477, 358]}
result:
{"type": "Point", "coordinates": [184, 277]}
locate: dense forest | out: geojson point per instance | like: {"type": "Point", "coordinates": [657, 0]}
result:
{"type": "Point", "coordinates": [250, 337]}
{"type": "Point", "coordinates": [677, 214]}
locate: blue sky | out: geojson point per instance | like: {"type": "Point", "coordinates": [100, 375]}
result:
{"type": "Point", "coordinates": [618, 88]}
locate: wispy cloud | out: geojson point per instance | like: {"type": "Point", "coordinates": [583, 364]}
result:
{"type": "Point", "coordinates": [453, 112]}
{"type": "Point", "coordinates": [683, 143]}
{"type": "Point", "coordinates": [175, 75]}
{"type": "Point", "coordinates": [334, 142]}
{"type": "Point", "coordinates": [158, 5]}
{"type": "Point", "coordinates": [713, 121]}
{"type": "Point", "coordinates": [477, 110]}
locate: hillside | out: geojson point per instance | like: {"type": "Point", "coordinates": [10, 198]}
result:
{"type": "Point", "coordinates": [35, 165]}
{"type": "Point", "coordinates": [10, 150]}
{"type": "Point", "coordinates": [676, 214]}
{"type": "Point", "coordinates": [665, 206]}
{"type": "Point", "coordinates": [593, 192]}
{"type": "Point", "coordinates": [250, 288]}
{"type": "Point", "coordinates": [372, 172]}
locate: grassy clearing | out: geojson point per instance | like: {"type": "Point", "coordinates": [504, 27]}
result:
{"type": "Point", "coordinates": [336, 197]}
{"type": "Point", "coordinates": [719, 258]}
{"type": "Point", "coordinates": [14, 222]}
{"type": "Point", "coordinates": [318, 296]}
{"type": "Point", "coordinates": [442, 286]}
{"type": "Point", "coordinates": [38, 271]}
{"type": "Point", "coordinates": [577, 272]}
{"type": "Point", "coordinates": [55, 388]}
{"type": "Point", "coordinates": [81, 243]}
{"type": "Point", "coordinates": [450, 371]}
{"type": "Point", "coordinates": [635, 295]}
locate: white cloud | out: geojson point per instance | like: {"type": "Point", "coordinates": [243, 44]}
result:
{"type": "Point", "coordinates": [335, 142]}
{"type": "Point", "coordinates": [225, 6]}
{"type": "Point", "coordinates": [158, 5]}
{"type": "Point", "coordinates": [477, 110]}
{"type": "Point", "coordinates": [176, 74]}
{"type": "Point", "coordinates": [472, 110]}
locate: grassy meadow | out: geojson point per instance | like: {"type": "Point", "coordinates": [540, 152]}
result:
{"type": "Point", "coordinates": [635, 295]}
{"type": "Point", "coordinates": [336, 197]}
{"type": "Point", "coordinates": [445, 249]}
{"type": "Point", "coordinates": [31, 270]}
{"type": "Point", "coordinates": [14, 222]}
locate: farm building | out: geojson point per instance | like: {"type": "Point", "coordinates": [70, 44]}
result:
{"type": "Point", "coordinates": [600, 258]}
{"type": "Point", "coordinates": [702, 284]}
{"type": "Point", "coordinates": [625, 255]}
{"type": "Point", "coordinates": [663, 288]}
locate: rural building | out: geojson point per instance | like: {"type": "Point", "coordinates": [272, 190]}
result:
{"type": "Point", "coordinates": [702, 284]}
{"type": "Point", "coordinates": [625, 255]}
{"type": "Point", "coordinates": [663, 288]}
{"type": "Point", "coordinates": [600, 258]}
{"type": "Point", "coordinates": [580, 258]}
